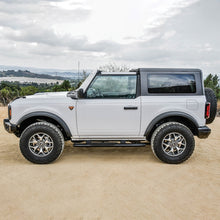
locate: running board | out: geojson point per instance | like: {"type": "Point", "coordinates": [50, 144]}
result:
{"type": "Point", "coordinates": [108, 144]}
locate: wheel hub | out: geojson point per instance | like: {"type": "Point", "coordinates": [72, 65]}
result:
{"type": "Point", "coordinates": [174, 144]}
{"type": "Point", "coordinates": [41, 144]}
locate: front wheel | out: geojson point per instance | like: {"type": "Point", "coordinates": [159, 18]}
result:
{"type": "Point", "coordinates": [172, 142]}
{"type": "Point", "coordinates": [41, 142]}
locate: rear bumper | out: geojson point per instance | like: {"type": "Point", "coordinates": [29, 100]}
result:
{"type": "Point", "coordinates": [203, 132]}
{"type": "Point", "coordinates": [9, 127]}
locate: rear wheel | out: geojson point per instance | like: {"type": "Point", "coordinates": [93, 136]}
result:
{"type": "Point", "coordinates": [41, 143]}
{"type": "Point", "coordinates": [172, 142]}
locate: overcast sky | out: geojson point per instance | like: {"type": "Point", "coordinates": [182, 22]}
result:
{"type": "Point", "coordinates": [140, 33]}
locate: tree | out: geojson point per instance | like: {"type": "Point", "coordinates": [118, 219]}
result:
{"type": "Point", "coordinates": [65, 85]}
{"type": "Point", "coordinates": [56, 88]}
{"type": "Point", "coordinates": [212, 81]}
{"type": "Point", "coordinates": [28, 90]}
{"type": "Point", "coordinates": [4, 93]}
{"type": "Point", "coordinates": [112, 67]}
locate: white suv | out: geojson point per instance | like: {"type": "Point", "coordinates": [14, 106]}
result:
{"type": "Point", "coordinates": [164, 107]}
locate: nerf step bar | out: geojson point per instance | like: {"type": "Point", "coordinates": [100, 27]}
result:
{"type": "Point", "coordinates": [109, 144]}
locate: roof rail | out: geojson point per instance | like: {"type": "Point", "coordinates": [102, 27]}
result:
{"type": "Point", "coordinates": [133, 70]}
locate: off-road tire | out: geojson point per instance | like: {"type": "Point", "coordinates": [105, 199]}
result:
{"type": "Point", "coordinates": [49, 129]}
{"type": "Point", "coordinates": [210, 97]}
{"type": "Point", "coordinates": [161, 132]}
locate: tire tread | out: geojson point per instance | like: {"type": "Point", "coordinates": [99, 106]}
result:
{"type": "Point", "coordinates": [163, 127]}
{"type": "Point", "coordinates": [34, 126]}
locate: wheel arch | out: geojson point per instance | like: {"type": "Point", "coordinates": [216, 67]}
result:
{"type": "Point", "coordinates": [33, 117]}
{"type": "Point", "coordinates": [174, 116]}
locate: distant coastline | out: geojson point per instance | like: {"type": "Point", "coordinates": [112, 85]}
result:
{"type": "Point", "coordinates": [24, 80]}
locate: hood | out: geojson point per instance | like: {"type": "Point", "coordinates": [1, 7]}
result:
{"type": "Point", "coordinates": [49, 95]}
{"type": "Point", "coordinates": [43, 99]}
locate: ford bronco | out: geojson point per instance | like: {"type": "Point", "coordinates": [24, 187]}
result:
{"type": "Point", "coordinates": [163, 107]}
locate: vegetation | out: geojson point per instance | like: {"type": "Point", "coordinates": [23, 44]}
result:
{"type": "Point", "coordinates": [112, 67]}
{"type": "Point", "coordinates": [11, 90]}
{"type": "Point", "coordinates": [212, 81]}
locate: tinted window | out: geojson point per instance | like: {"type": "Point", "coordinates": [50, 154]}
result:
{"type": "Point", "coordinates": [171, 83]}
{"type": "Point", "coordinates": [113, 86]}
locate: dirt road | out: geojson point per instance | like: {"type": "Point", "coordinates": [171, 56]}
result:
{"type": "Point", "coordinates": [110, 183]}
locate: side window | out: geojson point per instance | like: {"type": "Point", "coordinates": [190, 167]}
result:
{"type": "Point", "coordinates": [113, 86]}
{"type": "Point", "coordinates": [171, 83]}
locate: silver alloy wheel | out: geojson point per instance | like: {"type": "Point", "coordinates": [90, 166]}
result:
{"type": "Point", "coordinates": [174, 144]}
{"type": "Point", "coordinates": [41, 144]}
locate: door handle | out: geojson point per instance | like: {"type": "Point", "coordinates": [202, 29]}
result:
{"type": "Point", "coordinates": [130, 108]}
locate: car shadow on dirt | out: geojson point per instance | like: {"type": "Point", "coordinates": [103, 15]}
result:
{"type": "Point", "coordinates": [105, 153]}
{"type": "Point", "coordinates": [70, 153]}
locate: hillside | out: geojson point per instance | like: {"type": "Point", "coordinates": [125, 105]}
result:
{"type": "Point", "coordinates": [66, 73]}
{"type": "Point", "coordinates": [26, 73]}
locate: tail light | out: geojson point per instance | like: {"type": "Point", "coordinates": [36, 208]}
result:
{"type": "Point", "coordinates": [9, 112]}
{"type": "Point", "coordinates": [207, 110]}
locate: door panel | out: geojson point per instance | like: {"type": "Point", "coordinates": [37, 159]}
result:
{"type": "Point", "coordinates": [108, 117]}
{"type": "Point", "coordinates": [110, 107]}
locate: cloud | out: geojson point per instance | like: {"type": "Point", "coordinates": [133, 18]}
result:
{"type": "Point", "coordinates": [37, 34]}
{"type": "Point", "coordinates": [189, 39]}
{"type": "Point", "coordinates": [39, 12]}
{"type": "Point", "coordinates": [153, 33]}
{"type": "Point", "coordinates": [29, 1]}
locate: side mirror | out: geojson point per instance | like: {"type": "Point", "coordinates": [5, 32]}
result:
{"type": "Point", "coordinates": [80, 93]}
{"type": "Point", "coordinates": [76, 94]}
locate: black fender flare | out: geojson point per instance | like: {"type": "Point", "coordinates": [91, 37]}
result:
{"type": "Point", "coordinates": [167, 115]}
{"type": "Point", "coordinates": [48, 115]}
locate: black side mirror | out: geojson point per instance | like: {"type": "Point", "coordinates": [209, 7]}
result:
{"type": "Point", "coordinates": [80, 94]}
{"type": "Point", "coordinates": [72, 94]}
{"type": "Point", "coordinates": [76, 94]}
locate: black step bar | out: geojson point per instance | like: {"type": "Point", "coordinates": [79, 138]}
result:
{"type": "Point", "coordinates": [109, 144]}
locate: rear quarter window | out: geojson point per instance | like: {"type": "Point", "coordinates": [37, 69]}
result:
{"type": "Point", "coordinates": [171, 83]}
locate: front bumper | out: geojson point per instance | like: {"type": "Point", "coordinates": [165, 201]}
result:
{"type": "Point", "coordinates": [203, 132]}
{"type": "Point", "coordinates": [9, 127]}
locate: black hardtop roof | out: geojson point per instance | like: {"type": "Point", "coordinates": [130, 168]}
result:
{"type": "Point", "coordinates": [167, 70]}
